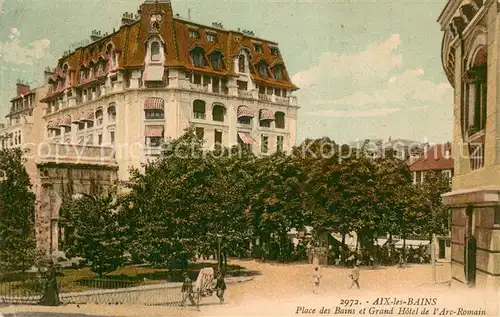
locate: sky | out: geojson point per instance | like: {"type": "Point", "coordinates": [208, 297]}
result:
{"type": "Point", "coordinates": [366, 69]}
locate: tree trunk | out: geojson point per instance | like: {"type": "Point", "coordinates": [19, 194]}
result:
{"type": "Point", "coordinates": [342, 248]}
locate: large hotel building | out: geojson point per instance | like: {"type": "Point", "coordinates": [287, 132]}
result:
{"type": "Point", "coordinates": [111, 104]}
{"type": "Point", "coordinates": [471, 61]}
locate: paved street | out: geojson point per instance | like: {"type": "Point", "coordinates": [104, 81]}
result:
{"type": "Point", "coordinates": [280, 288]}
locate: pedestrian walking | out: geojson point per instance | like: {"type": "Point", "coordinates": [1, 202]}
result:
{"type": "Point", "coordinates": [187, 290]}
{"type": "Point", "coordinates": [355, 276]}
{"type": "Point", "coordinates": [220, 286]}
{"type": "Point", "coordinates": [316, 278]}
{"type": "Point", "coordinates": [51, 290]}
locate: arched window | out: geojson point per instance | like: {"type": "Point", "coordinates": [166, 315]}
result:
{"type": "Point", "coordinates": [244, 115]}
{"type": "Point", "coordinates": [197, 57]}
{"type": "Point", "coordinates": [263, 69]}
{"type": "Point", "coordinates": [241, 63]}
{"type": "Point", "coordinates": [154, 108]}
{"type": "Point", "coordinates": [109, 48]}
{"type": "Point", "coordinates": [112, 112]}
{"type": "Point", "coordinates": [474, 92]}
{"type": "Point", "coordinates": [98, 116]}
{"type": "Point", "coordinates": [216, 59]}
{"type": "Point", "coordinates": [90, 70]}
{"type": "Point", "coordinates": [279, 118]}
{"type": "Point", "coordinates": [218, 113]}
{"type": "Point", "coordinates": [199, 109]}
{"type": "Point", "coordinates": [278, 72]}
{"type": "Point", "coordinates": [155, 51]}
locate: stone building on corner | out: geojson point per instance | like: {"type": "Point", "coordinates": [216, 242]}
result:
{"type": "Point", "coordinates": [110, 104]}
{"type": "Point", "coordinates": [470, 56]}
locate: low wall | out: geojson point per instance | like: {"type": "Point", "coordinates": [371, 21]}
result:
{"type": "Point", "coordinates": [158, 294]}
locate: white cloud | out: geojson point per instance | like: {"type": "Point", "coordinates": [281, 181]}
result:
{"type": "Point", "coordinates": [377, 60]}
{"type": "Point", "coordinates": [407, 86]}
{"type": "Point", "coordinates": [16, 52]}
{"type": "Point", "coordinates": [372, 82]}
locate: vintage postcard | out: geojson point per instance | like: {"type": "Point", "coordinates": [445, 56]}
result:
{"type": "Point", "coordinates": [249, 158]}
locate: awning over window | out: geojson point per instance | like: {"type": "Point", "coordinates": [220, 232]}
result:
{"type": "Point", "coordinates": [266, 114]}
{"type": "Point", "coordinates": [246, 138]}
{"type": "Point", "coordinates": [65, 121]}
{"type": "Point", "coordinates": [76, 119]}
{"type": "Point", "coordinates": [153, 131]}
{"type": "Point", "coordinates": [53, 124]}
{"type": "Point", "coordinates": [154, 73]}
{"type": "Point", "coordinates": [89, 117]}
{"type": "Point", "coordinates": [244, 111]}
{"type": "Point", "coordinates": [154, 103]}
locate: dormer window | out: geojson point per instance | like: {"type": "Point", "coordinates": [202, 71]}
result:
{"type": "Point", "coordinates": [278, 72]}
{"type": "Point", "coordinates": [241, 63]}
{"type": "Point", "coordinates": [211, 37]}
{"type": "Point", "coordinates": [258, 48]}
{"type": "Point", "coordinates": [194, 34]}
{"type": "Point", "coordinates": [155, 52]}
{"type": "Point", "coordinates": [216, 59]}
{"type": "Point", "coordinates": [275, 51]}
{"type": "Point", "coordinates": [197, 57]}
{"type": "Point", "coordinates": [263, 69]}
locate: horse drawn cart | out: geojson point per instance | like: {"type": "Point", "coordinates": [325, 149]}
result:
{"type": "Point", "coordinates": [204, 285]}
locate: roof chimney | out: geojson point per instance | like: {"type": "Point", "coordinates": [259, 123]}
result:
{"type": "Point", "coordinates": [95, 36]}
{"type": "Point", "coordinates": [47, 73]}
{"type": "Point", "coordinates": [22, 89]}
{"type": "Point", "coordinates": [127, 18]}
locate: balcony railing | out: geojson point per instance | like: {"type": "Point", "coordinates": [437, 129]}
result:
{"type": "Point", "coordinates": [199, 115]}
{"type": "Point", "coordinates": [77, 153]}
{"type": "Point", "coordinates": [265, 97]}
{"type": "Point", "coordinates": [198, 87]}
{"type": "Point", "coordinates": [245, 93]}
{"type": "Point", "coordinates": [282, 100]}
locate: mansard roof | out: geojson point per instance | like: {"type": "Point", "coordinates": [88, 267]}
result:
{"type": "Point", "coordinates": [130, 40]}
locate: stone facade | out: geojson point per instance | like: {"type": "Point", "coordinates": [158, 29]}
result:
{"type": "Point", "coordinates": [110, 105]}
{"type": "Point", "coordinates": [471, 63]}
{"type": "Point", "coordinates": [60, 181]}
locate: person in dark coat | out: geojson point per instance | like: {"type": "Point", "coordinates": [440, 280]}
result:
{"type": "Point", "coordinates": [220, 286]}
{"type": "Point", "coordinates": [187, 290]}
{"type": "Point", "coordinates": [51, 290]}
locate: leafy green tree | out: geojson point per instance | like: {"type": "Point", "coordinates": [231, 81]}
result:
{"type": "Point", "coordinates": [95, 233]}
{"type": "Point", "coordinates": [167, 202]}
{"type": "Point", "coordinates": [278, 199]}
{"type": "Point", "coordinates": [429, 215]}
{"type": "Point", "coordinates": [17, 208]}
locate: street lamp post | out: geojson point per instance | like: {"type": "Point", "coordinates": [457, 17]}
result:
{"type": "Point", "coordinates": [219, 240]}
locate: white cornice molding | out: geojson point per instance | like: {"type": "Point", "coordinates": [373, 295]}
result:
{"type": "Point", "coordinates": [448, 12]}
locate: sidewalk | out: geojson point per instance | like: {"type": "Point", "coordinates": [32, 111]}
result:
{"type": "Point", "coordinates": [123, 310]}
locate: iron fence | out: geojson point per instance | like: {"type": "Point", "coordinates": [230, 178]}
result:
{"type": "Point", "coordinates": [147, 295]}
{"type": "Point", "coordinates": [21, 292]}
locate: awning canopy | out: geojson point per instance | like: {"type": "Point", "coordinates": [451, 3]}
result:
{"type": "Point", "coordinates": [154, 103]}
{"type": "Point", "coordinates": [89, 117]}
{"type": "Point", "coordinates": [246, 138]}
{"type": "Point", "coordinates": [53, 124]}
{"type": "Point", "coordinates": [153, 131]}
{"type": "Point", "coordinates": [154, 73]}
{"type": "Point", "coordinates": [76, 119]}
{"type": "Point", "coordinates": [411, 243]}
{"type": "Point", "coordinates": [65, 121]}
{"type": "Point", "coordinates": [266, 114]}
{"type": "Point", "coordinates": [244, 111]}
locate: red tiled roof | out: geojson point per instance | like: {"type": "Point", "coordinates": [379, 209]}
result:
{"type": "Point", "coordinates": [433, 159]}
{"type": "Point", "coordinates": [129, 42]}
